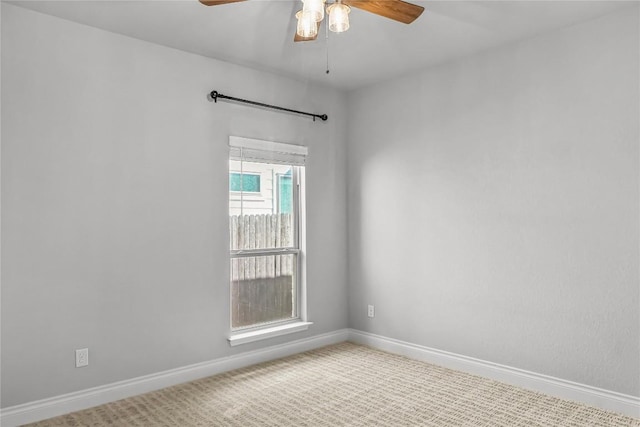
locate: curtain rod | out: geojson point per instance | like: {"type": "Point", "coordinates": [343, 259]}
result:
{"type": "Point", "coordinates": [215, 96]}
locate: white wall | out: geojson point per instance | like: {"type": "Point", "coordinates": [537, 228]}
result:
{"type": "Point", "coordinates": [114, 203]}
{"type": "Point", "coordinates": [494, 205]}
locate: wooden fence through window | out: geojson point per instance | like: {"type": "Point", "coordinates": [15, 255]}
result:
{"type": "Point", "coordinates": [262, 287]}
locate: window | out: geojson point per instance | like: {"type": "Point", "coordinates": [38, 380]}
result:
{"type": "Point", "coordinates": [249, 183]}
{"type": "Point", "coordinates": [266, 230]}
{"type": "Point", "coordinates": [285, 195]}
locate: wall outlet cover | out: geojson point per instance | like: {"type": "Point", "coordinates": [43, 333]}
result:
{"type": "Point", "coordinates": [82, 357]}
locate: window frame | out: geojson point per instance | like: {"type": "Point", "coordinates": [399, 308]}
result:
{"type": "Point", "coordinates": [298, 321]}
{"type": "Point", "coordinates": [288, 250]}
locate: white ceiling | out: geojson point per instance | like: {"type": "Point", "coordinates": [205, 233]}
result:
{"type": "Point", "coordinates": [259, 33]}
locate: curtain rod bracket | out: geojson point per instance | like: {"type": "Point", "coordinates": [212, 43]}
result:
{"type": "Point", "coordinates": [215, 95]}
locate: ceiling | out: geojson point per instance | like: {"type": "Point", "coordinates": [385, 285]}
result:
{"type": "Point", "coordinates": [259, 33]}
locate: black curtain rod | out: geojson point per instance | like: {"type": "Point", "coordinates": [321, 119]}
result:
{"type": "Point", "coordinates": [215, 95]}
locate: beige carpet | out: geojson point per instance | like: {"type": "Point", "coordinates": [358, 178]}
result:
{"type": "Point", "coordinates": [342, 385]}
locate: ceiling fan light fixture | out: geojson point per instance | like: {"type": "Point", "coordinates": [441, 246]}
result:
{"type": "Point", "coordinates": [315, 7]}
{"type": "Point", "coordinates": [338, 17]}
{"type": "Point", "coordinates": [307, 26]}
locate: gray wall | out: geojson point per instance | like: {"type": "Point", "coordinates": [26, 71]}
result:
{"type": "Point", "coordinates": [114, 203]}
{"type": "Point", "coordinates": [493, 205]}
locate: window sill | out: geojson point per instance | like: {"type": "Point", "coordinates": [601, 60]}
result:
{"type": "Point", "coordinates": [263, 334]}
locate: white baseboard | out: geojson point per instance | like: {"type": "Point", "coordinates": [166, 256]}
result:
{"type": "Point", "coordinates": [47, 408]}
{"type": "Point", "coordinates": [593, 396]}
{"type": "Point", "coordinates": [59, 405]}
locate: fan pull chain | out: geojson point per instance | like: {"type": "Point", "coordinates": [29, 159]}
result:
{"type": "Point", "coordinates": [326, 34]}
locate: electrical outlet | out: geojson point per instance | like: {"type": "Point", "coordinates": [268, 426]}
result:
{"type": "Point", "coordinates": [82, 357]}
{"type": "Point", "coordinates": [371, 311]}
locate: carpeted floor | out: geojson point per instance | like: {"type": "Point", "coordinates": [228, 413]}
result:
{"type": "Point", "coordinates": [342, 385]}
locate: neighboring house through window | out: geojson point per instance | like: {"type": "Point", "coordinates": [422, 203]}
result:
{"type": "Point", "coordinates": [247, 182]}
{"type": "Point", "coordinates": [285, 193]}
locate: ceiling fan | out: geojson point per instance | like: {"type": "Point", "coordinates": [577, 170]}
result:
{"type": "Point", "coordinates": [312, 14]}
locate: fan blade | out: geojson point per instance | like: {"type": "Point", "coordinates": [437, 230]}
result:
{"type": "Point", "coordinates": [217, 2]}
{"type": "Point", "coordinates": [397, 10]}
{"type": "Point", "coordinates": [298, 38]}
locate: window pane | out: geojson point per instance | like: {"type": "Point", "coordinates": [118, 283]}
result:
{"type": "Point", "coordinates": [285, 193]}
{"type": "Point", "coordinates": [262, 289]}
{"type": "Point", "coordinates": [262, 219]}
{"type": "Point", "coordinates": [244, 182]}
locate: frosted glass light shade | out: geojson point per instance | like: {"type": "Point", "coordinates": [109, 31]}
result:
{"type": "Point", "coordinates": [315, 7]}
{"type": "Point", "coordinates": [307, 26]}
{"type": "Point", "coordinates": [338, 17]}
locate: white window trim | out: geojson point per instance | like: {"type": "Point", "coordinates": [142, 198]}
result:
{"type": "Point", "coordinates": [301, 323]}
{"type": "Point", "coordinates": [257, 144]}
{"type": "Point", "coordinates": [263, 334]}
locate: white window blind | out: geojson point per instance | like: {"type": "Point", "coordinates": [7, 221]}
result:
{"type": "Point", "coordinates": [255, 150]}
